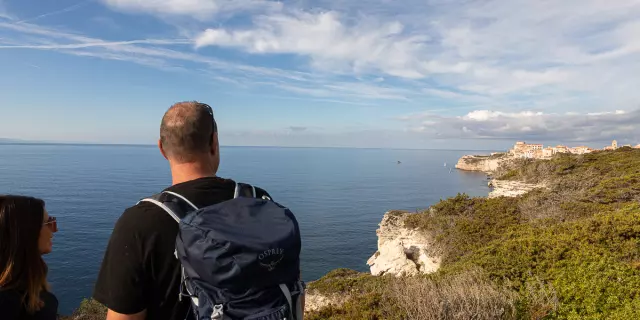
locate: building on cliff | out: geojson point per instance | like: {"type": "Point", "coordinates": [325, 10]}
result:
{"type": "Point", "coordinates": [537, 151]}
{"type": "Point", "coordinates": [581, 150]}
{"type": "Point", "coordinates": [523, 150]}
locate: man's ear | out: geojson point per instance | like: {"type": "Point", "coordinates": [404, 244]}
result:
{"type": "Point", "coordinates": [164, 154]}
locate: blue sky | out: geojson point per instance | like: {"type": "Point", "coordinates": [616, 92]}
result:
{"type": "Point", "coordinates": [406, 74]}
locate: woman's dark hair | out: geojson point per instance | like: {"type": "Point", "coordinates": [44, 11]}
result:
{"type": "Point", "coordinates": [21, 263]}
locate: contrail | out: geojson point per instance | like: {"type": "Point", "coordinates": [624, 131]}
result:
{"type": "Point", "coordinates": [67, 9]}
{"type": "Point", "coordinates": [99, 44]}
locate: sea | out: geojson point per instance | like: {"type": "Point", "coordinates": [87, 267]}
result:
{"type": "Point", "coordinates": [339, 196]}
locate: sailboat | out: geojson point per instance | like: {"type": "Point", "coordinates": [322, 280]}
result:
{"type": "Point", "coordinates": [445, 164]}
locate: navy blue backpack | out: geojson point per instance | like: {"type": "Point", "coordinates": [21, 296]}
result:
{"type": "Point", "coordinates": [240, 258]}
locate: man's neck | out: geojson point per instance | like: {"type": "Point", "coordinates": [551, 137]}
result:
{"type": "Point", "coordinates": [184, 172]}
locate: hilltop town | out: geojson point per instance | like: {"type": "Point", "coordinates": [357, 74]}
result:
{"type": "Point", "coordinates": [537, 151]}
{"type": "Point", "coordinates": [523, 150]}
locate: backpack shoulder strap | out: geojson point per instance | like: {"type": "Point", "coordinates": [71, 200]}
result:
{"type": "Point", "coordinates": [287, 294]}
{"type": "Point", "coordinates": [177, 195]}
{"type": "Point", "coordinates": [176, 205]}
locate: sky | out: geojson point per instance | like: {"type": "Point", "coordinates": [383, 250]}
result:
{"type": "Point", "coordinates": [458, 74]}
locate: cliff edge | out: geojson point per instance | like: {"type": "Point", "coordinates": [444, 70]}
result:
{"type": "Point", "coordinates": [486, 164]}
{"type": "Point", "coordinates": [402, 251]}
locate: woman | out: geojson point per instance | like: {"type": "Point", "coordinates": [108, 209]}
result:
{"type": "Point", "coordinates": [26, 231]}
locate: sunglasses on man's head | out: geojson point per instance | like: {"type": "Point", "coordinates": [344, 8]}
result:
{"type": "Point", "coordinates": [210, 112]}
{"type": "Point", "coordinates": [52, 224]}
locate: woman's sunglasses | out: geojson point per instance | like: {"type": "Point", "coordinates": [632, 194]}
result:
{"type": "Point", "coordinates": [52, 224]}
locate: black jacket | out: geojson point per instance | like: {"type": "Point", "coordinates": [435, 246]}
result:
{"type": "Point", "coordinates": [12, 308]}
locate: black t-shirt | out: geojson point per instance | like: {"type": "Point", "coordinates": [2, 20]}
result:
{"type": "Point", "coordinates": [139, 270]}
{"type": "Point", "coordinates": [12, 308]}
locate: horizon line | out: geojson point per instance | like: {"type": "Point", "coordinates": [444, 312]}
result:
{"type": "Point", "coordinates": [95, 144]}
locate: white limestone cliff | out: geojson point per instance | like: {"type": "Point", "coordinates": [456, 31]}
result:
{"type": "Point", "coordinates": [402, 251]}
{"type": "Point", "coordinates": [482, 163]}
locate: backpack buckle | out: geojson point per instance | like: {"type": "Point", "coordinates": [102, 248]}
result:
{"type": "Point", "coordinates": [217, 313]}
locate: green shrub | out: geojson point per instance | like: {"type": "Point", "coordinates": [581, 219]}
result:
{"type": "Point", "coordinates": [89, 310]}
{"type": "Point", "coordinates": [461, 224]}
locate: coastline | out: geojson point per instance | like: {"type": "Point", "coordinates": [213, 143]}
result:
{"type": "Point", "coordinates": [405, 251]}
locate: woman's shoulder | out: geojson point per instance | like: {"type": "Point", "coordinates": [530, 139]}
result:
{"type": "Point", "coordinates": [50, 308]}
{"type": "Point", "coordinates": [10, 303]}
{"type": "Point", "coordinates": [10, 296]}
{"type": "Point", "coordinates": [13, 308]}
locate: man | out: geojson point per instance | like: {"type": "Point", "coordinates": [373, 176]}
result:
{"type": "Point", "coordinates": [140, 276]}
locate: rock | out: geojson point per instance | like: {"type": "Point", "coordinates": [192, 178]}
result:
{"type": "Point", "coordinates": [402, 251]}
{"type": "Point", "coordinates": [505, 188]}
{"type": "Point", "coordinates": [486, 164]}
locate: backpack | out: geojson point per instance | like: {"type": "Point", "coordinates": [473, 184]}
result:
{"type": "Point", "coordinates": [240, 259]}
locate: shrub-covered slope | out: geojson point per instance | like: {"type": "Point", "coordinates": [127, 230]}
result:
{"type": "Point", "coordinates": [569, 251]}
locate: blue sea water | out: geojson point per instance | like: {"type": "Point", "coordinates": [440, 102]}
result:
{"type": "Point", "coordinates": [338, 196]}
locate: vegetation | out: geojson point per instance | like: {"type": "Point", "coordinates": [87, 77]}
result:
{"type": "Point", "coordinates": [571, 251]}
{"type": "Point", "coordinates": [478, 158]}
{"type": "Point", "coordinates": [89, 310]}
{"type": "Point", "coordinates": [469, 295]}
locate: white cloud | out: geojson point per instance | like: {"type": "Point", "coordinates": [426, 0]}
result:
{"type": "Point", "coordinates": [199, 9]}
{"type": "Point", "coordinates": [454, 95]}
{"type": "Point", "coordinates": [153, 53]}
{"type": "Point", "coordinates": [485, 115]}
{"type": "Point", "coordinates": [534, 125]}
{"type": "Point", "coordinates": [328, 41]}
{"type": "Point", "coordinates": [550, 51]}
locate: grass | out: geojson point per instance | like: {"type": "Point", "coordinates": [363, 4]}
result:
{"type": "Point", "coordinates": [470, 295]}
{"type": "Point", "coordinates": [571, 251]}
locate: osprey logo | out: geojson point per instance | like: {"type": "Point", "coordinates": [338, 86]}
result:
{"type": "Point", "coordinates": [270, 258]}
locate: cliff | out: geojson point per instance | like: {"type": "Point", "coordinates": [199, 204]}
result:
{"type": "Point", "coordinates": [402, 251]}
{"type": "Point", "coordinates": [486, 164]}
